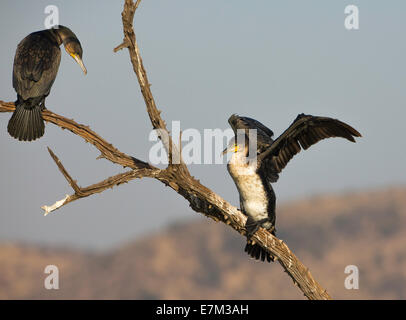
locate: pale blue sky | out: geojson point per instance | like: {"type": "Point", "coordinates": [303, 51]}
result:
{"type": "Point", "coordinates": [269, 60]}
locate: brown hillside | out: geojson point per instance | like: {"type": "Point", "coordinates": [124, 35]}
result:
{"type": "Point", "coordinates": [202, 259]}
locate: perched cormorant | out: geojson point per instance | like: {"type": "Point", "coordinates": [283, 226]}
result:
{"type": "Point", "coordinates": [253, 172]}
{"type": "Point", "coordinates": [36, 64]}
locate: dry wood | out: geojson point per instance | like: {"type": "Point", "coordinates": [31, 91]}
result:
{"type": "Point", "coordinates": [176, 175]}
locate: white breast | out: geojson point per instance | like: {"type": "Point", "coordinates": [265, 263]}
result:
{"type": "Point", "coordinates": [250, 187]}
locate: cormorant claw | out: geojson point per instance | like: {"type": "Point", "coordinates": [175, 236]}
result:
{"type": "Point", "coordinates": [252, 226]}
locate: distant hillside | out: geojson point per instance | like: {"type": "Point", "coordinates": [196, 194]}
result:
{"type": "Point", "coordinates": [203, 259]}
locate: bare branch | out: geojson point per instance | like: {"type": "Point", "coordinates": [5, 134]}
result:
{"type": "Point", "coordinates": [130, 42]}
{"type": "Point", "coordinates": [176, 176]}
{"type": "Point", "coordinates": [95, 188]}
{"type": "Point", "coordinates": [201, 198]}
{"type": "Point", "coordinates": [107, 150]}
{"type": "Point", "coordinates": [57, 204]}
{"type": "Point", "coordinates": [64, 172]}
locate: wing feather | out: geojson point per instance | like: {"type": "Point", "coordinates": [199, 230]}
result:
{"type": "Point", "coordinates": [264, 134]}
{"type": "Point", "coordinates": [304, 132]}
{"type": "Point", "coordinates": [36, 64]}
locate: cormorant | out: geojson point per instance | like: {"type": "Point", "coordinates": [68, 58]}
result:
{"type": "Point", "coordinates": [36, 64]}
{"type": "Point", "coordinates": [254, 173]}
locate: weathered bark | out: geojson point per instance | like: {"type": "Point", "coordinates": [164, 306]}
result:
{"type": "Point", "coordinates": [176, 176]}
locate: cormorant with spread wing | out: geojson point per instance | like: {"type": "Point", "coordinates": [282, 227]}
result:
{"type": "Point", "coordinates": [36, 64]}
{"type": "Point", "coordinates": [253, 178]}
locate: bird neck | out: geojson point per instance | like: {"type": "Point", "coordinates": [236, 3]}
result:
{"type": "Point", "coordinates": [63, 35]}
{"type": "Point", "coordinates": [241, 160]}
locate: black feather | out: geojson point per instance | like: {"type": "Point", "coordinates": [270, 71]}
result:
{"type": "Point", "coordinates": [26, 123]}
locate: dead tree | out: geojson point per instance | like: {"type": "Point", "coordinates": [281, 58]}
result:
{"type": "Point", "coordinates": [175, 175]}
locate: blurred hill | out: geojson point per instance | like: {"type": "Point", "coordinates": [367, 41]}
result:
{"type": "Point", "coordinates": [204, 259]}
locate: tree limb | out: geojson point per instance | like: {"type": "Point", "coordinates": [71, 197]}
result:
{"type": "Point", "coordinates": [94, 188]}
{"type": "Point", "coordinates": [176, 175]}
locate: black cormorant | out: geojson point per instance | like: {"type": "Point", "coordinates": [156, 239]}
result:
{"type": "Point", "coordinates": [254, 173]}
{"type": "Point", "coordinates": [36, 64]}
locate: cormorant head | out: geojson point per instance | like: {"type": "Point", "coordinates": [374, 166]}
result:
{"type": "Point", "coordinates": [71, 44]}
{"type": "Point", "coordinates": [74, 49]}
{"type": "Point", "coordinates": [238, 144]}
{"type": "Point", "coordinates": [243, 151]}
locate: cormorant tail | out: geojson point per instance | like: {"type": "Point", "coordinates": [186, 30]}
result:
{"type": "Point", "coordinates": [26, 123]}
{"type": "Point", "coordinates": [258, 253]}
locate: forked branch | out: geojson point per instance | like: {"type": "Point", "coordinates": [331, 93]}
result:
{"type": "Point", "coordinates": [176, 175]}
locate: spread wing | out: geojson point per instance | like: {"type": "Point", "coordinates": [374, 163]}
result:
{"type": "Point", "coordinates": [36, 64]}
{"type": "Point", "coordinates": [264, 134]}
{"type": "Point", "coordinates": [304, 132]}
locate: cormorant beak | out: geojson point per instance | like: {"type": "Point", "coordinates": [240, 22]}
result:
{"type": "Point", "coordinates": [233, 148]}
{"type": "Point", "coordinates": [79, 61]}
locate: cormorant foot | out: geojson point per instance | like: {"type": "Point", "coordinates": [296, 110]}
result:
{"type": "Point", "coordinates": [267, 224]}
{"type": "Point", "coordinates": [251, 229]}
{"type": "Point", "coordinates": [252, 226]}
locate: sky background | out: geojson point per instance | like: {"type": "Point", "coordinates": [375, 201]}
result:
{"type": "Point", "coordinates": [206, 60]}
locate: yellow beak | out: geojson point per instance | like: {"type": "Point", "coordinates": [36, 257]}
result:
{"type": "Point", "coordinates": [80, 62]}
{"type": "Point", "coordinates": [230, 149]}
